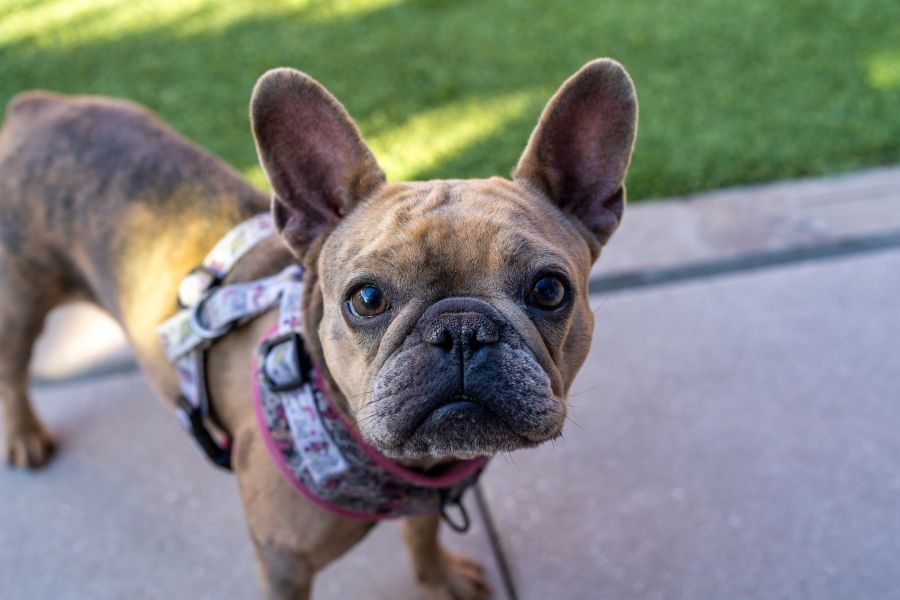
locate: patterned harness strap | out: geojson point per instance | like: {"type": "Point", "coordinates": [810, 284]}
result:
{"type": "Point", "coordinates": [314, 446]}
{"type": "Point", "coordinates": [209, 311]}
{"type": "Point", "coordinates": [223, 257]}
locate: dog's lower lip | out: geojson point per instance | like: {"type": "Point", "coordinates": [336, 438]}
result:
{"type": "Point", "coordinates": [460, 403]}
{"type": "Point", "coordinates": [457, 405]}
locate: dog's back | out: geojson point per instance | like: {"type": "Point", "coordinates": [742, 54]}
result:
{"type": "Point", "coordinates": [99, 200]}
{"type": "Point", "coordinates": [97, 177]}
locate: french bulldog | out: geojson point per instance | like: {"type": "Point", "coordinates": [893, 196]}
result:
{"type": "Point", "coordinates": [448, 318]}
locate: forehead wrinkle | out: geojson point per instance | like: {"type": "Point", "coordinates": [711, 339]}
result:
{"type": "Point", "coordinates": [460, 250]}
{"type": "Point", "coordinates": [529, 231]}
{"type": "Point", "coordinates": [456, 230]}
{"type": "Point", "coordinates": [382, 215]}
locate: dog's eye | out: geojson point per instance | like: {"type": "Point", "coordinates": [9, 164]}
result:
{"type": "Point", "coordinates": [368, 301]}
{"type": "Point", "coordinates": [547, 293]}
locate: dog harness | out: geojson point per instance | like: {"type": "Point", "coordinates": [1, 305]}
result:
{"type": "Point", "coordinates": [315, 447]}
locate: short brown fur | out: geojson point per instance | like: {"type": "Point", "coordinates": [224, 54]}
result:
{"type": "Point", "coordinates": [101, 201]}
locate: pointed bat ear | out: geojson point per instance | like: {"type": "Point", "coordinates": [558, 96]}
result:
{"type": "Point", "coordinates": [316, 161]}
{"type": "Point", "coordinates": [579, 152]}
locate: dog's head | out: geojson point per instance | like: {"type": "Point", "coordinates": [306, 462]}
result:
{"type": "Point", "coordinates": [452, 315]}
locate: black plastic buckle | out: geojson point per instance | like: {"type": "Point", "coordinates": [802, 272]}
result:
{"type": "Point", "coordinates": [303, 363]}
{"type": "Point", "coordinates": [216, 280]}
{"type": "Point", "coordinates": [219, 455]}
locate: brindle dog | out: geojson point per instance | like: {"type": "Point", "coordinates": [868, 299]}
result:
{"type": "Point", "coordinates": [448, 317]}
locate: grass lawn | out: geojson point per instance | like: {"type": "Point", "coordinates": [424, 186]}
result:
{"type": "Point", "coordinates": [731, 91]}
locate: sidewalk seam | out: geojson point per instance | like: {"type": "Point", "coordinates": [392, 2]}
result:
{"type": "Point", "coordinates": [754, 261]}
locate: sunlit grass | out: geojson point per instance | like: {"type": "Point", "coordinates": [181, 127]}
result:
{"type": "Point", "coordinates": [422, 142]}
{"type": "Point", "coordinates": [731, 92]}
{"type": "Point", "coordinates": [66, 23]}
{"type": "Point", "coordinates": [62, 24]}
{"type": "Point", "coordinates": [884, 70]}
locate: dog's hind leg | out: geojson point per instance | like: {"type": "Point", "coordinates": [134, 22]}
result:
{"type": "Point", "coordinates": [25, 299]}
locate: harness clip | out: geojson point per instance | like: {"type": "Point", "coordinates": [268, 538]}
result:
{"type": "Point", "coordinates": [302, 366]}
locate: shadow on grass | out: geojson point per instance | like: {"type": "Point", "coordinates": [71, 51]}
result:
{"type": "Point", "coordinates": [730, 92]}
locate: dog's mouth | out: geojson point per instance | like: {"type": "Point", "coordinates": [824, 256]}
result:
{"type": "Point", "coordinates": [461, 427]}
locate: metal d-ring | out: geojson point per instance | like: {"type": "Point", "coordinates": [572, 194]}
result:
{"type": "Point", "coordinates": [201, 330]}
{"type": "Point", "coordinates": [461, 527]}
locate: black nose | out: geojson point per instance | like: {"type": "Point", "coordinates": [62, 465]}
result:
{"type": "Point", "coordinates": [462, 331]}
{"type": "Point", "coordinates": [458, 325]}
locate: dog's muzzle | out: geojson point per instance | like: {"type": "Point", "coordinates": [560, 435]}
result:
{"type": "Point", "coordinates": [463, 384]}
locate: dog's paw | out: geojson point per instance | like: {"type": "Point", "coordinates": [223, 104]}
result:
{"type": "Point", "coordinates": [463, 579]}
{"type": "Point", "coordinates": [29, 447]}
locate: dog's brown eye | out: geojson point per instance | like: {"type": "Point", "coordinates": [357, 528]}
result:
{"type": "Point", "coordinates": [548, 292]}
{"type": "Point", "coordinates": [368, 301]}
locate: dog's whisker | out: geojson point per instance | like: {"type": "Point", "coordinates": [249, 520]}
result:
{"type": "Point", "coordinates": [510, 460]}
{"type": "Point", "coordinates": [573, 422]}
{"type": "Point", "coordinates": [586, 390]}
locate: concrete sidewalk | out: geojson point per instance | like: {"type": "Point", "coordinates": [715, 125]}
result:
{"type": "Point", "coordinates": [734, 434]}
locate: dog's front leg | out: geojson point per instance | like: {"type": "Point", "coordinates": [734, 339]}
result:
{"type": "Point", "coordinates": [282, 572]}
{"type": "Point", "coordinates": [293, 537]}
{"type": "Point", "coordinates": [444, 575]}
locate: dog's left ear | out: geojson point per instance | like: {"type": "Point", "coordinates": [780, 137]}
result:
{"type": "Point", "coordinates": [317, 163]}
{"type": "Point", "coordinates": [581, 148]}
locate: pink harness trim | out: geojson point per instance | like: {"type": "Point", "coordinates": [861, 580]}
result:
{"type": "Point", "coordinates": [455, 474]}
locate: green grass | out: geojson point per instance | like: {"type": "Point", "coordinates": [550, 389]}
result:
{"type": "Point", "coordinates": [731, 91]}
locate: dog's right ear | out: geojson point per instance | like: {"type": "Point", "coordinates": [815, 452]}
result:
{"type": "Point", "coordinates": [579, 152]}
{"type": "Point", "coordinates": [316, 161]}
